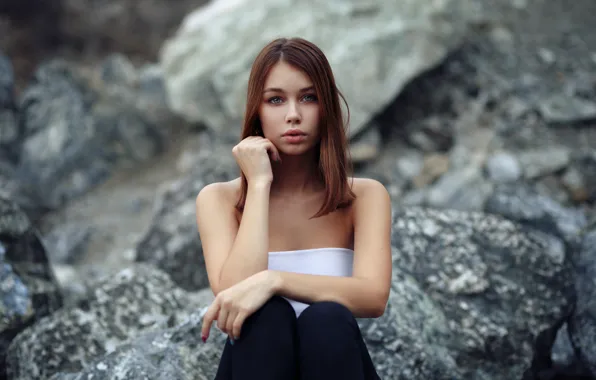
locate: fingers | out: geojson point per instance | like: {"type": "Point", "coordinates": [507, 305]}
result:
{"type": "Point", "coordinates": [230, 323]}
{"type": "Point", "coordinates": [237, 324]}
{"type": "Point", "coordinates": [221, 319]}
{"type": "Point", "coordinates": [262, 141]}
{"type": "Point", "coordinates": [211, 314]}
{"type": "Point", "coordinates": [273, 151]}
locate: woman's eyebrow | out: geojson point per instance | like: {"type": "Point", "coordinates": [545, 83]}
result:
{"type": "Point", "coordinates": [276, 89]}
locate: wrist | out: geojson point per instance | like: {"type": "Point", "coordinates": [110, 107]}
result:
{"type": "Point", "coordinates": [274, 281]}
{"type": "Point", "coordinates": [259, 185]}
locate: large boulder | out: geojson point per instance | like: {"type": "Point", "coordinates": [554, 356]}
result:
{"type": "Point", "coordinates": [582, 323]}
{"type": "Point", "coordinates": [29, 290]}
{"type": "Point", "coordinates": [375, 48]}
{"type": "Point", "coordinates": [136, 301]}
{"type": "Point", "coordinates": [496, 283]}
{"type": "Point", "coordinates": [78, 127]}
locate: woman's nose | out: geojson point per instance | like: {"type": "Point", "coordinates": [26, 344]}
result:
{"type": "Point", "coordinates": [293, 115]}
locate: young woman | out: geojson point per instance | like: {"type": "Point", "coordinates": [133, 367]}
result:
{"type": "Point", "coordinates": [294, 248]}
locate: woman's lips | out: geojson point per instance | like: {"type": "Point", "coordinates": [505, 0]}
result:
{"type": "Point", "coordinates": [294, 136]}
{"type": "Point", "coordinates": [294, 139]}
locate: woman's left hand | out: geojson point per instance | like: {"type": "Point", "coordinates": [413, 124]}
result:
{"type": "Point", "coordinates": [232, 306]}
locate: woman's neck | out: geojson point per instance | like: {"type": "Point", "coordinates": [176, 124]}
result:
{"type": "Point", "coordinates": [296, 175]}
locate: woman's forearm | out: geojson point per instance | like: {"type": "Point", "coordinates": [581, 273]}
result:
{"type": "Point", "coordinates": [361, 296]}
{"type": "Point", "coordinates": [249, 253]}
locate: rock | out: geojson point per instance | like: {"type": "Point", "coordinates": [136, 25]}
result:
{"type": "Point", "coordinates": [431, 134]}
{"type": "Point", "coordinates": [400, 345]}
{"type": "Point", "coordinates": [367, 146]}
{"type": "Point", "coordinates": [563, 356]}
{"type": "Point", "coordinates": [175, 353]}
{"type": "Point", "coordinates": [78, 130]}
{"type": "Point", "coordinates": [9, 129]}
{"type": "Point", "coordinates": [540, 162]}
{"type": "Point", "coordinates": [28, 289]}
{"type": "Point", "coordinates": [496, 283]}
{"type": "Point", "coordinates": [172, 242]}
{"type": "Point", "coordinates": [67, 243]}
{"type": "Point", "coordinates": [11, 187]}
{"type": "Point", "coordinates": [547, 56]}
{"type": "Point", "coordinates": [565, 109]}
{"type": "Point", "coordinates": [582, 323]}
{"type": "Point", "coordinates": [105, 27]}
{"type": "Point", "coordinates": [206, 64]}
{"type": "Point", "coordinates": [60, 158]}
{"type": "Point", "coordinates": [433, 167]}
{"type": "Point", "coordinates": [503, 167]}
{"type": "Point", "coordinates": [580, 178]}
{"type": "Point", "coordinates": [461, 189]}
{"type": "Point", "coordinates": [522, 204]}
{"type": "Point", "coordinates": [137, 300]}
{"type": "Point", "coordinates": [413, 162]}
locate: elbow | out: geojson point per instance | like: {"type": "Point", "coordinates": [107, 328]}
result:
{"type": "Point", "coordinates": [380, 305]}
{"type": "Point", "coordinates": [378, 310]}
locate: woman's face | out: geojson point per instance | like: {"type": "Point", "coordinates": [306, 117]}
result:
{"type": "Point", "coordinates": [289, 110]}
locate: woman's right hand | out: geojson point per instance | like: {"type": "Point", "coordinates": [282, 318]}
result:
{"type": "Point", "coordinates": [252, 155]}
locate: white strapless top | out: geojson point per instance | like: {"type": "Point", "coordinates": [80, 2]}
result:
{"type": "Point", "coordinates": [319, 261]}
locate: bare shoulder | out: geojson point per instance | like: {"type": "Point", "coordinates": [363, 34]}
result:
{"type": "Point", "coordinates": [368, 188]}
{"type": "Point", "coordinates": [220, 193]}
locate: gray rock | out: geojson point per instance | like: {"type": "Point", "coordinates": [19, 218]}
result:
{"type": "Point", "coordinates": [61, 158]}
{"type": "Point", "coordinates": [12, 188]}
{"type": "Point", "coordinates": [565, 109]}
{"type": "Point", "coordinates": [66, 243]}
{"type": "Point", "coordinates": [497, 284]}
{"type": "Point", "coordinates": [520, 203]}
{"type": "Point", "coordinates": [172, 242]}
{"type": "Point", "coordinates": [206, 64]}
{"type": "Point", "coordinates": [461, 189]}
{"type": "Point", "coordinates": [503, 167]}
{"type": "Point", "coordinates": [174, 354]}
{"type": "Point", "coordinates": [431, 134]}
{"type": "Point", "coordinates": [6, 82]}
{"type": "Point", "coordinates": [410, 340]}
{"type": "Point", "coordinates": [410, 164]}
{"type": "Point", "coordinates": [582, 323]}
{"type": "Point", "coordinates": [564, 359]}
{"type": "Point", "coordinates": [78, 129]}
{"type": "Point", "coordinates": [135, 301]}
{"type": "Point", "coordinates": [9, 129]}
{"type": "Point", "coordinates": [541, 162]}
{"type": "Point", "coordinates": [28, 289]}
{"type": "Point", "coordinates": [580, 178]}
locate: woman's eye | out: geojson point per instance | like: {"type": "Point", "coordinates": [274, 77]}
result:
{"type": "Point", "coordinates": [310, 98]}
{"type": "Point", "coordinates": [274, 100]}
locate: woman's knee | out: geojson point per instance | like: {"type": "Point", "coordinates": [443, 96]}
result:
{"type": "Point", "coordinates": [328, 335]}
{"type": "Point", "coordinates": [275, 321]}
{"type": "Point", "coordinates": [326, 315]}
{"type": "Point", "coordinates": [277, 313]}
{"type": "Point", "coordinates": [275, 308]}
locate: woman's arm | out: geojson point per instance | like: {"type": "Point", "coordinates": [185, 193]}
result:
{"type": "Point", "coordinates": [367, 291]}
{"type": "Point", "coordinates": [233, 252]}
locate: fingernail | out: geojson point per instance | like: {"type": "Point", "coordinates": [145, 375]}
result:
{"type": "Point", "coordinates": [231, 341]}
{"type": "Point", "coordinates": [204, 338]}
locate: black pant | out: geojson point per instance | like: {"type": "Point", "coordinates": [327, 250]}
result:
{"type": "Point", "coordinates": [324, 342]}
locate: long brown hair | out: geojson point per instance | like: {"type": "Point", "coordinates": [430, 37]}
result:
{"type": "Point", "coordinates": [334, 160]}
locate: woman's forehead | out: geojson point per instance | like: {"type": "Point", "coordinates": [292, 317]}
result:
{"type": "Point", "coordinates": [285, 77]}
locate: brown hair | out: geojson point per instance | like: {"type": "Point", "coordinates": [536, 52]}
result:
{"type": "Point", "coordinates": [334, 161]}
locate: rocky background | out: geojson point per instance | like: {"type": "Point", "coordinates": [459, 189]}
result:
{"type": "Point", "coordinates": [479, 117]}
